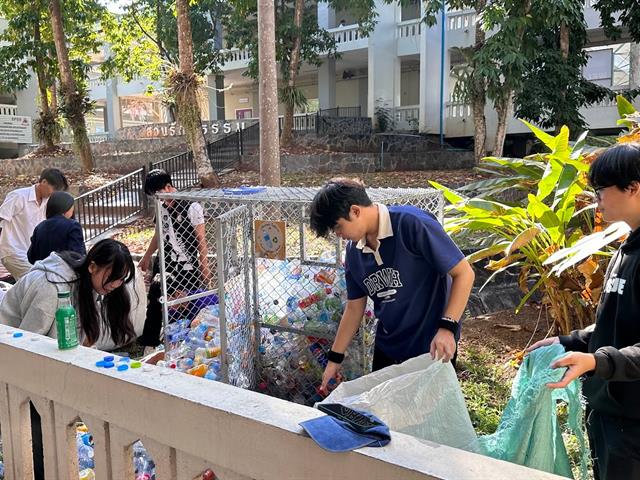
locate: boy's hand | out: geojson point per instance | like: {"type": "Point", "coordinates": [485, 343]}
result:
{"type": "Point", "coordinates": [578, 364]}
{"type": "Point", "coordinates": [330, 372]}
{"type": "Point", "coordinates": [543, 343]}
{"type": "Point", "coordinates": [443, 346]}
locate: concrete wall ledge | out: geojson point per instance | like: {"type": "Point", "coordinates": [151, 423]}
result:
{"type": "Point", "coordinates": [189, 424]}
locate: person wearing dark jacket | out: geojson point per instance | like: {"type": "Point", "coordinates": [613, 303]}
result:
{"type": "Point", "coordinates": [608, 353]}
{"type": "Point", "coordinates": [59, 232]}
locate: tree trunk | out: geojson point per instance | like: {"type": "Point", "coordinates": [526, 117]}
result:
{"type": "Point", "coordinates": [268, 93]}
{"type": "Point", "coordinates": [71, 97]}
{"type": "Point", "coordinates": [504, 109]}
{"type": "Point", "coordinates": [564, 51]}
{"type": "Point", "coordinates": [479, 96]}
{"type": "Point", "coordinates": [287, 127]}
{"type": "Point", "coordinates": [54, 95]}
{"type": "Point", "coordinates": [187, 99]}
{"type": "Point", "coordinates": [46, 115]}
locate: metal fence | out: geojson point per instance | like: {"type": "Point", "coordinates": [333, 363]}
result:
{"type": "Point", "coordinates": [112, 204]}
{"type": "Point", "coordinates": [250, 139]}
{"type": "Point", "coordinates": [182, 169]}
{"type": "Point", "coordinates": [279, 290]}
{"type": "Point", "coordinates": [341, 112]}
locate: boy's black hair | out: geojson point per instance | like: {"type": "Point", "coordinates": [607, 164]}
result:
{"type": "Point", "coordinates": [618, 165]}
{"type": "Point", "coordinates": [59, 203]}
{"type": "Point", "coordinates": [156, 180]}
{"type": "Point", "coordinates": [55, 178]}
{"type": "Point", "coordinates": [334, 201]}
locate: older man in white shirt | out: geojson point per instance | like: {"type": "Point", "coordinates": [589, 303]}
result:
{"type": "Point", "coordinates": [20, 212]}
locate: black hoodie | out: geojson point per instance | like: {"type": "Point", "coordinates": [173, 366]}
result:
{"type": "Point", "coordinates": [613, 388]}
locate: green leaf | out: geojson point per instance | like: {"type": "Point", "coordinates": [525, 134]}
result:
{"type": "Point", "coordinates": [548, 140]}
{"type": "Point", "coordinates": [625, 107]}
{"type": "Point", "coordinates": [540, 211]}
{"type": "Point", "coordinates": [549, 179]}
{"type": "Point", "coordinates": [449, 194]}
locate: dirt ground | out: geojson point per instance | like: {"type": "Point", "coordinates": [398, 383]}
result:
{"type": "Point", "coordinates": [505, 333]}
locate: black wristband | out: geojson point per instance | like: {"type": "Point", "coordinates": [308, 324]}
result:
{"type": "Point", "coordinates": [448, 325]}
{"type": "Point", "coordinates": [335, 357]}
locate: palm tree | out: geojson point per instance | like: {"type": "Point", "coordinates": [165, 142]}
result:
{"type": "Point", "coordinates": [183, 86]}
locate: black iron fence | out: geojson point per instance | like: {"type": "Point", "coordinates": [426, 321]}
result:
{"type": "Point", "coordinates": [250, 139]}
{"type": "Point", "coordinates": [182, 169]}
{"type": "Point", "coordinates": [111, 205]}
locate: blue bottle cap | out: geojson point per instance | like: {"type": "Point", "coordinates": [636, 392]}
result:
{"type": "Point", "coordinates": [17, 334]}
{"type": "Point", "coordinates": [123, 367]}
{"type": "Point", "coordinates": [107, 364]}
{"type": "Point", "coordinates": [124, 359]}
{"type": "Point", "coordinates": [100, 364]}
{"type": "Point", "coordinates": [108, 358]}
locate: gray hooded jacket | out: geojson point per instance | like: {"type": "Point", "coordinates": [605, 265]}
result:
{"type": "Point", "coordinates": [31, 303]}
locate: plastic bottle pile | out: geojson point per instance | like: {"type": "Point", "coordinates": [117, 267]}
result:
{"type": "Point", "coordinates": [143, 465]}
{"type": "Point", "coordinates": [194, 347]}
{"type": "Point", "coordinates": [308, 300]}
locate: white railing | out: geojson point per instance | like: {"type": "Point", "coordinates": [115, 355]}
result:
{"type": "Point", "coordinates": [461, 21]}
{"type": "Point", "coordinates": [407, 117]}
{"type": "Point", "coordinates": [237, 55]}
{"type": "Point", "coordinates": [409, 28]}
{"type": "Point", "coordinates": [458, 110]}
{"type": "Point", "coordinates": [188, 424]}
{"type": "Point", "coordinates": [6, 109]}
{"type": "Point", "coordinates": [345, 34]}
{"type": "Point", "coordinates": [304, 121]}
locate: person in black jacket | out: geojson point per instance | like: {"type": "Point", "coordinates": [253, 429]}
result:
{"type": "Point", "coordinates": [59, 232]}
{"type": "Point", "coordinates": [608, 353]}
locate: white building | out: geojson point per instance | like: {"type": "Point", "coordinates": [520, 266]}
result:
{"type": "Point", "coordinates": [400, 66]}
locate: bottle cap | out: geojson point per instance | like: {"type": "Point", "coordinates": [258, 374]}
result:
{"type": "Point", "coordinates": [64, 294]}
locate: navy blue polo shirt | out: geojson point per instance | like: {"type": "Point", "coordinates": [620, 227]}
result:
{"type": "Point", "coordinates": [406, 278]}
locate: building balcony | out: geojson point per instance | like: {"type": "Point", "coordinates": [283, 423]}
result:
{"type": "Point", "coordinates": [408, 34]}
{"type": "Point", "coordinates": [459, 119]}
{"type": "Point", "coordinates": [188, 424]}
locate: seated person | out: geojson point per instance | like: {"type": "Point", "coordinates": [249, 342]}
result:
{"type": "Point", "coordinates": [59, 232]}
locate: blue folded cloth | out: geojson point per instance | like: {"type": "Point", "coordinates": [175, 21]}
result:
{"type": "Point", "coordinates": [344, 429]}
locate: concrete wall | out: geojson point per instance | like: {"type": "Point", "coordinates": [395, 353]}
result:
{"type": "Point", "coordinates": [367, 162]}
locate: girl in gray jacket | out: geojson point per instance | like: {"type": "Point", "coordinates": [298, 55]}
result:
{"type": "Point", "coordinates": [99, 293]}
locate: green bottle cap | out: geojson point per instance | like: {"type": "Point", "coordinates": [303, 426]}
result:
{"type": "Point", "coordinates": [64, 294]}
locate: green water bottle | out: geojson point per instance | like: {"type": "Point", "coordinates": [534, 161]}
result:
{"type": "Point", "coordinates": [66, 322]}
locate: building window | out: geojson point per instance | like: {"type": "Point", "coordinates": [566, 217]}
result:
{"type": "Point", "coordinates": [608, 66]}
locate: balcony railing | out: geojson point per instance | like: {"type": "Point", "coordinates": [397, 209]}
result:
{"type": "Point", "coordinates": [409, 29]}
{"type": "Point", "coordinates": [461, 21]}
{"type": "Point", "coordinates": [407, 117]}
{"type": "Point", "coordinates": [188, 424]}
{"type": "Point", "coordinates": [458, 110]}
{"type": "Point", "coordinates": [6, 109]}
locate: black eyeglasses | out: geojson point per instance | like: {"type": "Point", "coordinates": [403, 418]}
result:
{"type": "Point", "coordinates": [597, 190]}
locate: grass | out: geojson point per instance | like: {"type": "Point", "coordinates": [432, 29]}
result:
{"type": "Point", "coordinates": [486, 387]}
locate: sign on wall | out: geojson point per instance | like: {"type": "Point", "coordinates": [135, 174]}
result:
{"type": "Point", "coordinates": [15, 129]}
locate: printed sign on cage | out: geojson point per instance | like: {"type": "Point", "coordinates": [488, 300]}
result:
{"type": "Point", "coordinates": [270, 239]}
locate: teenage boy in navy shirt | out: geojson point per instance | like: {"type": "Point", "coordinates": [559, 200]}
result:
{"type": "Point", "coordinates": [401, 257]}
{"type": "Point", "coordinates": [608, 354]}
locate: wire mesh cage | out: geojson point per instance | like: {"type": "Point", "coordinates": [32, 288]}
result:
{"type": "Point", "coordinates": [263, 298]}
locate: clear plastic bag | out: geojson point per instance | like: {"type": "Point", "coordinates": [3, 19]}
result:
{"type": "Point", "coordinates": [419, 397]}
